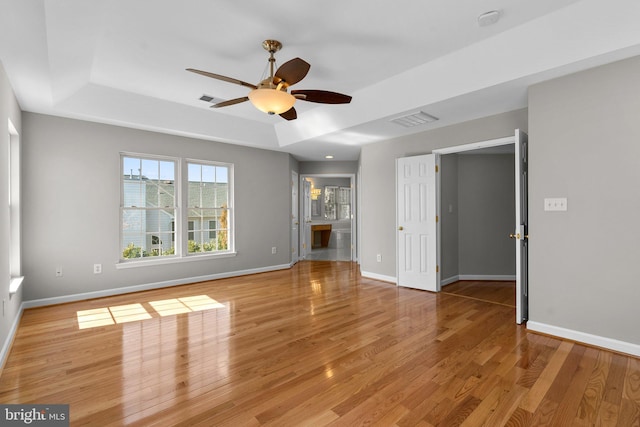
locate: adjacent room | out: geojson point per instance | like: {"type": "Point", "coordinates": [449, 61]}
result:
{"type": "Point", "coordinates": [234, 214]}
{"type": "Point", "coordinates": [477, 198]}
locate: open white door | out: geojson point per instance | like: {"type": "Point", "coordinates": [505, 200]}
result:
{"type": "Point", "coordinates": [417, 216]}
{"type": "Point", "coordinates": [521, 234]}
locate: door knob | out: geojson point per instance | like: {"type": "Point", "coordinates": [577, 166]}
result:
{"type": "Point", "coordinates": [400, 228]}
{"type": "Point", "coordinates": [514, 236]}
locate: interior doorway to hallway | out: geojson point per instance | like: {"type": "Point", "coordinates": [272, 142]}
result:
{"type": "Point", "coordinates": [328, 210]}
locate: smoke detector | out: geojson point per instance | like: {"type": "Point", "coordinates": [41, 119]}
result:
{"type": "Point", "coordinates": [488, 18]}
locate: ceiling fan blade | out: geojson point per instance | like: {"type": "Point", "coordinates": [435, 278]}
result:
{"type": "Point", "coordinates": [290, 114]}
{"type": "Point", "coordinates": [230, 102]}
{"type": "Point", "coordinates": [291, 72]}
{"type": "Point", "coordinates": [223, 78]}
{"type": "Point", "coordinates": [321, 96]}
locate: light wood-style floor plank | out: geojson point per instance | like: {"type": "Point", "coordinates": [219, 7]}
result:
{"type": "Point", "coordinates": [313, 345]}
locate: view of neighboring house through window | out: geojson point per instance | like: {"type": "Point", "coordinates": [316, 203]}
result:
{"type": "Point", "coordinates": [153, 222]}
{"type": "Point", "coordinates": [148, 207]}
{"type": "Point", "coordinates": [208, 207]}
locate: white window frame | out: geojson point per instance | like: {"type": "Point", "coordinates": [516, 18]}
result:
{"type": "Point", "coordinates": [230, 208]}
{"type": "Point", "coordinates": [181, 221]}
{"type": "Point", "coordinates": [14, 208]}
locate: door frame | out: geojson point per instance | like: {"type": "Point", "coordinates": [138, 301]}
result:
{"type": "Point", "coordinates": [509, 140]}
{"type": "Point", "coordinates": [295, 217]}
{"type": "Point", "coordinates": [302, 248]}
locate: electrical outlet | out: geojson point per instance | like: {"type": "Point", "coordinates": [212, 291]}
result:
{"type": "Point", "coordinates": [379, 258]}
{"type": "Point", "coordinates": [58, 271]}
{"type": "Point", "coordinates": [97, 268]}
{"type": "Point", "coordinates": [274, 250]}
{"type": "Point", "coordinates": [555, 204]}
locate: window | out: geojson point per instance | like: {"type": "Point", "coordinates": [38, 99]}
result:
{"type": "Point", "coordinates": [15, 241]}
{"type": "Point", "coordinates": [337, 203]}
{"type": "Point", "coordinates": [157, 221]}
{"type": "Point", "coordinates": [148, 207]}
{"type": "Point", "coordinates": [208, 207]}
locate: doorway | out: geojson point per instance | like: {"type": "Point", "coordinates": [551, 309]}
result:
{"type": "Point", "coordinates": [477, 193]}
{"type": "Point", "coordinates": [430, 195]}
{"type": "Point", "coordinates": [328, 211]}
{"type": "Point", "coordinates": [520, 235]}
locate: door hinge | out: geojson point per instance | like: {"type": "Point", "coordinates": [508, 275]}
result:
{"type": "Point", "coordinates": [304, 246]}
{"type": "Point", "coordinates": [437, 269]}
{"type": "Point", "coordinates": [437, 219]}
{"type": "Point", "coordinates": [437, 169]}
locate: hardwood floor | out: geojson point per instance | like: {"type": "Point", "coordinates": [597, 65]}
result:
{"type": "Point", "coordinates": [311, 346]}
{"type": "Point", "coordinates": [498, 292]}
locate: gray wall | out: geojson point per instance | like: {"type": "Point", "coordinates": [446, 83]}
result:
{"type": "Point", "coordinates": [378, 179]}
{"type": "Point", "coordinates": [585, 145]}
{"type": "Point", "coordinates": [9, 109]}
{"type": "Point", "coordinates": [328, 167]}
{"type": "Point", "coordinates": [72, 196]}
{"type": "Point", "coordinates": [477, 209]}
{"type": "Point", "coordinates": [486, 197]}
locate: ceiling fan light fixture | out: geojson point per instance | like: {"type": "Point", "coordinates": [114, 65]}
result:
{"type": "Point", "coordinates": [271, 101]}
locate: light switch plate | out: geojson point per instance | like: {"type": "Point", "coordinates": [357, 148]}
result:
{"type": "Point", "coordinates": [555, 204]}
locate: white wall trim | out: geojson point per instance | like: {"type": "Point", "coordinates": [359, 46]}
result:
{"type": "Point", "coordinates": [377, 276]}
{"type": "Point", "coordinates": [449, 280]}
{"type": "Point", "coordinates": [476, 145]}
{"type": "Point", "coordinates": [582, 337]}
{"type": "Point", "coordinates": [494, 277]}
{"type": "Point", "coordinates": [488, 277]}
{"type": "Point", "coordinates": [149, 286]}
{"type": "Point", "coordinates": [8, 342]}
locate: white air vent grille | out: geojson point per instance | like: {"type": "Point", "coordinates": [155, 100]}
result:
{"type": "Point", "coordinates": [414, 119]}
{"type": "Point", "coordinates": [210, 99]}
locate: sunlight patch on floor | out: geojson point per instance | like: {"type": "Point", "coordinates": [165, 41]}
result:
{"type": "Point", "coordinates": [105, 316]}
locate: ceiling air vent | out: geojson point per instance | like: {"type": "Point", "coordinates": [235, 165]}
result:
{"type": "Point", "coordinates": [210, 99]}
{"type": "Point", "coordinates": [414, 119]}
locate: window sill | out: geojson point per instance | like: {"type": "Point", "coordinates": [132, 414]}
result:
{"type": "Point", "coordinates": [15, 284]}
{"type": "Point", "coordinates": [173, 260]}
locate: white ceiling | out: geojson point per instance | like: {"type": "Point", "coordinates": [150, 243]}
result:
{"type": "Point", "coordinates": [123, 62]}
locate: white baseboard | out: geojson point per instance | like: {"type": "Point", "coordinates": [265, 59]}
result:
{"type": "Point", "coordinates": [494, 277]}
{"type": "Point", "coordinates": [582, 337]}
{"type": "Point", "coordinates": [376, 276]}
{"type": "Point", "coordinates": [446, 281]}
{"type": "Point", "coordinates": [148, 286]}
{"type": "Point", "coordinates": [491, 277]}
{"type": "Point", "coordinates": [6, 346]}
{"type": "Point", "coordinates": [449, 280]}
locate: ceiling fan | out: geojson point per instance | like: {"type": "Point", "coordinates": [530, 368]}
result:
{"type": "Point", "coordinates": [270, 95]}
